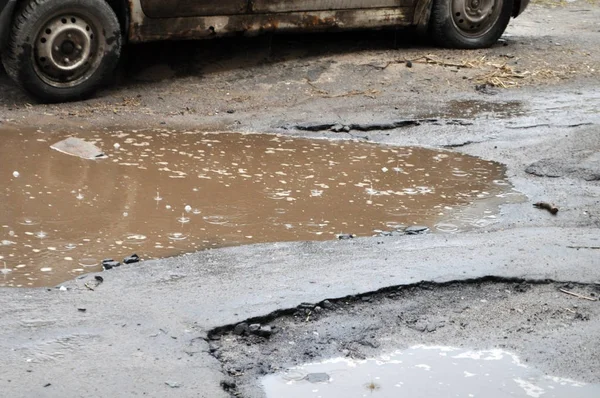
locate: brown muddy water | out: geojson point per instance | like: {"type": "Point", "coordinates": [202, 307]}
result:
{"type": "Point", "coordinates": [161, 193]}
{"type": "Point", "coordinates": [425, 372]}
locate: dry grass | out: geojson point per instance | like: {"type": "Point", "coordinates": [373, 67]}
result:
{"type": "Point", "coordinates": [497, 74]}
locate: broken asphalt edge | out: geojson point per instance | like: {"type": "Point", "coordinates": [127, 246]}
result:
{"type": "Point", "coordinates": [219, 331]}
{"type": "Point", "coordinates": [228, 383]}
{"type": "Point", "coordinates": [259, 279]}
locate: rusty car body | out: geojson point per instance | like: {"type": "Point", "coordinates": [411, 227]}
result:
{"type": "Point", "coordinates": [60, 50]}
{"type": "Point", "coordinates": [159, 20]}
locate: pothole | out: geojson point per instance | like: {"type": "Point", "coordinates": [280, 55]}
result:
{"type": "Point", "coordinates": [479, 338]}
{"type": "Point", "coordinates": [161, 193]}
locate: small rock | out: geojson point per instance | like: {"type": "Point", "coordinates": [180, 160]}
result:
{"type": "Point", "coordinates": [47, 385]}
{"type": "Point", "coordinates": [81, 309]}
{"type": "Point", "coordinates": [99, 278]}
{"type": "Point", "coordinates": [421, 327]}
{"type": "Point", "coordinates": [134, 258]}
{"type": "Point", "coordinates": [328, 304]}
{"type": "Point", "coordinates": [265, 331]}
{"type": "Point", "coordinates": [16, 174]}
{"type": "Point", "coordinates": [228, 385]}
{"type": "Point", "coordinates": [416, 230]}
{"type": "Point", "coordinates": [409, 64]}
{"type": "Point", "coordinates": [337, 128]}
{"type": "Point", "coordinates": [173, 384]}
{"type": "Point", "coordinates": [254, 328]}
{"type": "Point", "coordinates": [318, 309]}
{"type": "Point", "coordinates": [240, 329]}
{"type": "Point", "coordinates": [366, 299]}
{"type": "Point", "coordinates": [346, 129]}
{"type": "Point", "coordinates": [63, 288]}
{"type": "Point", "coordinates": [231, 111]}
{"type": "Point", "coordinates": [346, 236]}
{"type": "Point", "coordinates": [431, 327]}
{"type": "Point", "coordinates": [77, 147]}
{"type": "Point", "coordinates": [317, 377]}
{"type": "Point", "coordinates": [110, 264]}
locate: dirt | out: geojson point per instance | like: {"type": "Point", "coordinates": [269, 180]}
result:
{"type": "Point", "coordinates": [530, 103]}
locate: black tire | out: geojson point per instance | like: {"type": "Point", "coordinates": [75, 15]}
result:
{"type": "Point", "coordinates": [454, 23]}
{"type": "Point", "coordinates": [62, 50]}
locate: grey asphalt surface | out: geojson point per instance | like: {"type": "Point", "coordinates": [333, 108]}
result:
{"type": "Point", "coordinates": [145, 325]}
{"type": "Point", "coordinates": [144, 328]}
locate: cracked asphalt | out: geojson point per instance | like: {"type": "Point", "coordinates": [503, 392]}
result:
{"type": "Point", "coordinates": [147, 329]}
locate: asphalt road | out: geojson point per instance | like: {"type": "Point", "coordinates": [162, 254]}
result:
{"type": "Point", "coordinates": [145, 329]}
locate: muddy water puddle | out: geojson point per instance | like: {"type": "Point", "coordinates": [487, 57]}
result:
{"type": "Point", "coordinates": [428, 372]}
{"type": "Point", "coordinates": [161, 193]}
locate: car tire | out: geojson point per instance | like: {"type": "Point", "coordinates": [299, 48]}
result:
{"type": "Point", "coordinates": [62, 50]}
{"type": "Point", "coordinates": [469, 24]}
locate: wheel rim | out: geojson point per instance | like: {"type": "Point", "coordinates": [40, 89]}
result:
{"type": "Point", "coordinates": [68, 50]}
{"type": "Point", "coordinates": [474, 18]}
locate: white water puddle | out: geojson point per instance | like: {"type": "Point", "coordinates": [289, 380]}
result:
{"type": "Point", "coordinates": [425, 372]}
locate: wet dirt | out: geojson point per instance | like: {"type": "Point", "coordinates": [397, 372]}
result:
{"type": "Point", "coordinates": [161, 193]}
{"type": "Point", "coordinates": [424, 371]}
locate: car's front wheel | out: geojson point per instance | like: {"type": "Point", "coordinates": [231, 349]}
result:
{"type": "Point", "coordinates": [469, 23]}
{"type": "Point", "coordinates": [62, 50]}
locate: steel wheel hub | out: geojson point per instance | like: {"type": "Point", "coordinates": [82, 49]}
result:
{"type": "Point", "coordinates": [65, 50]}
{"type": "Point", "coordinates": [475, 17]}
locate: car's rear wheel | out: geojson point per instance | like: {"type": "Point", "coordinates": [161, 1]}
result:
{"type": "Point", "coordinates": [469, 23]}
{"type": "Point", "coordinates": [62, 50]}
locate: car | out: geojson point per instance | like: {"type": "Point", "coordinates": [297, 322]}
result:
{"type": "Point", "coordinates": [63, 50]}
